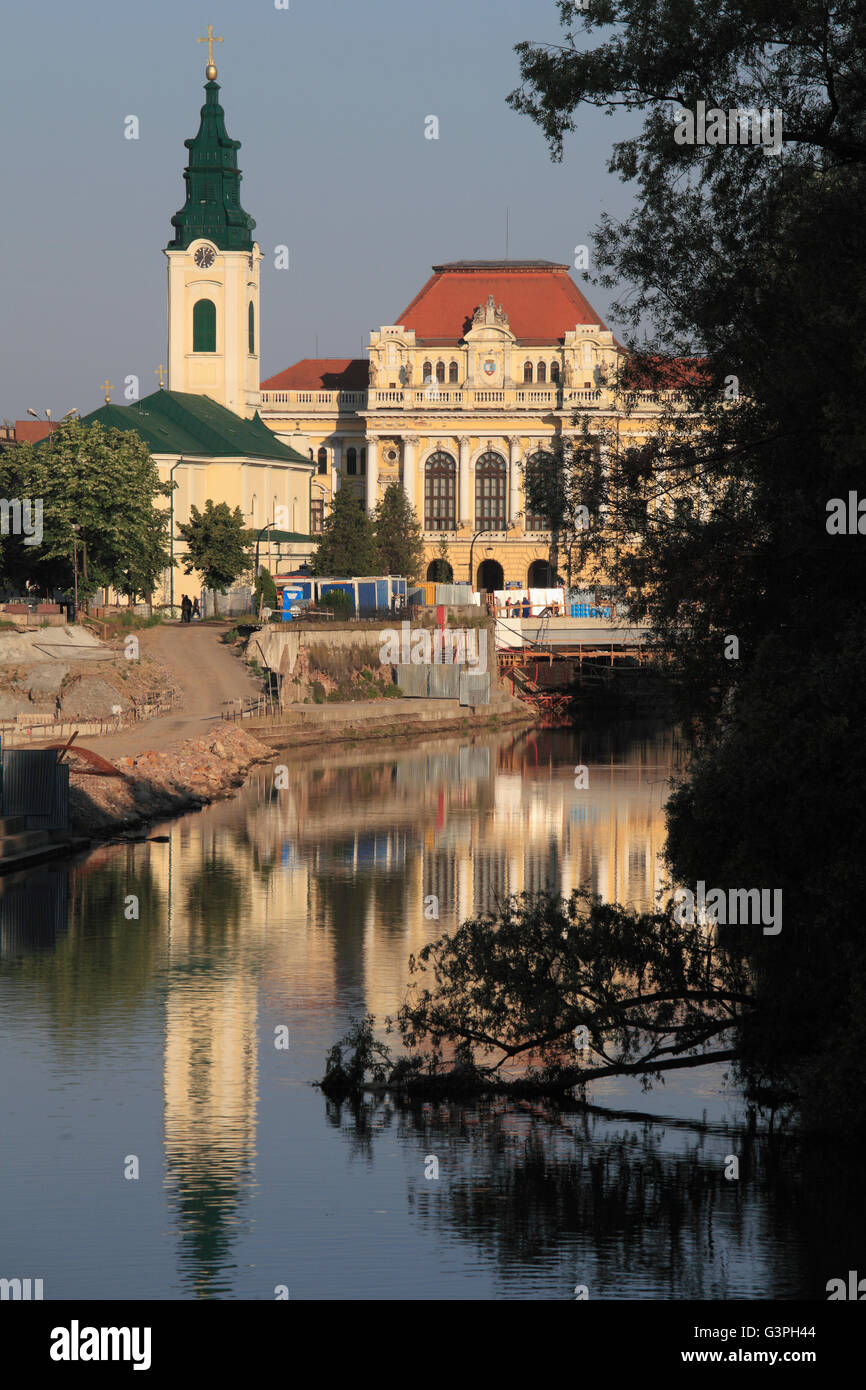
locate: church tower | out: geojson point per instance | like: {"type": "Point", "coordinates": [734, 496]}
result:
{"type": "Point", "coordinates": [213, 270]}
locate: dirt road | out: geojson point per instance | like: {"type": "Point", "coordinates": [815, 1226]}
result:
{"type": "Point", "coordinates": [209, 675]}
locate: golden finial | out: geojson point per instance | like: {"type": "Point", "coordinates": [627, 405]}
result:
{"type": "Point", "coordinates": [158, 371]}
{"type": "Point", "coordinates": [210, 71]}
{"type": "Point", "coordinates": [107, 388]}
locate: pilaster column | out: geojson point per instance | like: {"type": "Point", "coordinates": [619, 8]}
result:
{"type": "Point", "coordinates": [337, 467]}
{"type": "Point", "coordinates": [410, 444]}
{"type": "Point", "coordinates": [514, 486]}
{"type": "Point", "coordinates": [372, 474]}
{"type": "Point", "coordinates": [465, 500]}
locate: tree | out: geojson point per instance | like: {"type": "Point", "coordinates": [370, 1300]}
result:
{"type": "Point", "coordinates": [103, 482]}
{"type": "Point", "coordinates": [264, 593]}
{"type": "Point", "coordinates": [348, 544]}
{"type": "Point", "coordinates": [442, 571]}
{"type": "Point", "coordinates": [745, 296]}
{"type": "Point", "coordinates": [398, 534]}
{"type": "Point", "coordinates": [218, 545]}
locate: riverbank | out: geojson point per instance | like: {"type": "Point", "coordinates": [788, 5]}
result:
{"type": "Point", "coordinates": [159, 784]}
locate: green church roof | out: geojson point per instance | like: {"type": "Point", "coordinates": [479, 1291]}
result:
{"type": "Point", "coordinates": [177, 422]}
{"type": "Point", "coordinates": [213, 197]}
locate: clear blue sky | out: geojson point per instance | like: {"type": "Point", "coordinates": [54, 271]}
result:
{"type": "Point", "coordinates": [328, 99]}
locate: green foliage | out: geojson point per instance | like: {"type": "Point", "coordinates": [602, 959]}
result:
{"type": "Point", "coordinates": [219, 545]}
{"type": "Point", "coordinates": [348, 544]}
{"type": "Point", "coordinates": [442, 571]}
{"type": "Point", "coordinates": [338, 602]}
{"type": "Point", "coordinates": [103, 481]}
{"type": "Point", "coordinates": [265, 592]}
{"type": "Point", "coordinates": [749, 267]}
{"type": "Point", "coordinates": [398, 535]}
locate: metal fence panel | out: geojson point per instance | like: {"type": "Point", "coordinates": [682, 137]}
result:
{"type": "Point", "coordinates": [474, 688]}
{"type": "Point", "coordinates": [37, 786]}
{"type": "Point", "coordinates": [444, 682]}
{"type": "Point", "coordinates": [412, 681]}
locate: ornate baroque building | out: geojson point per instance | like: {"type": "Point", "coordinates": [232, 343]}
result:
{"type": "Point", "coordinates": [490, 362]}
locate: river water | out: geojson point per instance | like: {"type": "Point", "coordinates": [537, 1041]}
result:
{"type": "Point", "coordinates": [157, 1143]}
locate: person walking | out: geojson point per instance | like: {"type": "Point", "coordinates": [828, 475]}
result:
{"type": "Point", "coordinates": [196, 611]}
{"type": "Point", "coordinates": [185, 609]}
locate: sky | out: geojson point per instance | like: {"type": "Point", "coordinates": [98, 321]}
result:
{"type": "Point", "coordinates": [329, 99]}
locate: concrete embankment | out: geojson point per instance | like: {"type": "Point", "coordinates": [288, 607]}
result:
{"type": "Point", "coordinates": [381, 719]}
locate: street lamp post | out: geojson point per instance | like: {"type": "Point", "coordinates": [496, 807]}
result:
{"type": "Point", "coordinates": [75, 566]}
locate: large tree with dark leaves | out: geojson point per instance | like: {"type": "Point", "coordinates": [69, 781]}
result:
{"type": "Point", "coordinates": [750, 266]}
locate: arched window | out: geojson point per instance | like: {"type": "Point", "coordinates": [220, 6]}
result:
{"type": "Point", "coordinates": [491, 486]}
{"type": "Point", "coordinates": [251, 324]}
{"type": "Point", "coordinates": [527, 373]}
{"type": "Point", "coordinates": [351, 462]}
{"type": "Point", "coordinates": [554, 371]}
{"type": "Point", "coordinates": [322, 460]}
{"type": "Point", "coordinates": [533, 520]}
{"type": "Point", "coordinates": [452, 374]}
{"type": "Point", "coordinates": [440, 492]}
{"type": "Point", "coordinates": [363, 461]}
{"type": "Point", "coordinates": [541, 374]}
{"type": "Point", "coordinates": [204, 326]}
{"type": "Point", "coordinates": [440, 372]}
{"type": "Point", "coordinates": [428, 373]}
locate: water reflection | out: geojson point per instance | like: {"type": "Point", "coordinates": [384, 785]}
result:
{"type": "Point", "coordinates": [300, 907]}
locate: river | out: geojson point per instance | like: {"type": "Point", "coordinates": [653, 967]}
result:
{"type": "Point", "coordinates": [159, 1141]}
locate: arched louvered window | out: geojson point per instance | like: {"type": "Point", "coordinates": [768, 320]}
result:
{"type": "Point", "coordinates": [491, 486]}
{"type": "Point", "coordinates": [251, 327]}
{"type": "Point", "coordinates": [204, 326]}
{"type": "Point", "coordinates": [440, 492]}
{"type": "Point", "coordinates": [533, 520]}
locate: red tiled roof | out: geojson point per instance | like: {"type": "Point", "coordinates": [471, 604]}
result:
{"type": "Point", "coordinates": [31, 431]}
{"type": "Point", "coordinates": [540, 298]}
{"type": "Point", "coordinates": [654, 373]}
{"type": "Point", "coordinates": [322, 374]}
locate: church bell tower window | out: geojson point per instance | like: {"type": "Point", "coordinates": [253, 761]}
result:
{"type": "Point", "coordinates": [204, 326]}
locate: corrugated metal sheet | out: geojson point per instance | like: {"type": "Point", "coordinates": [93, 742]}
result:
{"type": "Point", "coordinates": [412, 681]}
{"type": "Point", "coordinates": [474, 689]}
{"type": "Point", "coordinates": [37, 786]}
{"type": "Point", "coordinates": [453, 593]}
{"type": "Point", "coordinates": [444, 682]}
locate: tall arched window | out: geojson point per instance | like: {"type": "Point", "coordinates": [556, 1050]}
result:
{"type": "Point", "coordinates": [322, 460]}
{"type": "Point", "coordinates": [533, 520]}
{"type": "Point", "coordinates": [204, 326]}
{"type": "Point", "coordinates": [440, 492]}
{"type": "Point", "coordinates": [428, 372]}
{"type": "Point", "coordinates": [527, 373]}
{"type": "Point", "coordinates": [452, 374]}
{"type": "Point", "coordinates": [554, 371]}
{"type": "Point", "coordinates": [363, 461]}
{"type": "Point", "coordinates": [491, 486]}
{"type": "Point", "coordinates": [440, 372]}
{"type": "Point", "coordinates": [351, 462]}
{"type": "Point", "coordinates": [541, 374]}
{"type": "Point", "coordinates": [251, 325]}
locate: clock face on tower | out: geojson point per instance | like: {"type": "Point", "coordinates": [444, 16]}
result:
{"type": "Point", "coordinates": [204, 257]}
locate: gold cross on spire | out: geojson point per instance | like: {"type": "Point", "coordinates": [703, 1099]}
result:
{"type": "Point", "coordinates": [210, 71]}
{"type": "Point", "coordinates": [158, 371]}
{"type": "Point", "coordinates": [107, 388]}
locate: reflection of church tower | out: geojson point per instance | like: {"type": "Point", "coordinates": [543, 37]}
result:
{"type": "Point", "coordinates": [213, 272]}
{"type": "Point", "coordinates": [210, 1066]}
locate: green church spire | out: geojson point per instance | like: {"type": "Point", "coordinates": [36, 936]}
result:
{"type": "Point", "coordinates": [213, 202]}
